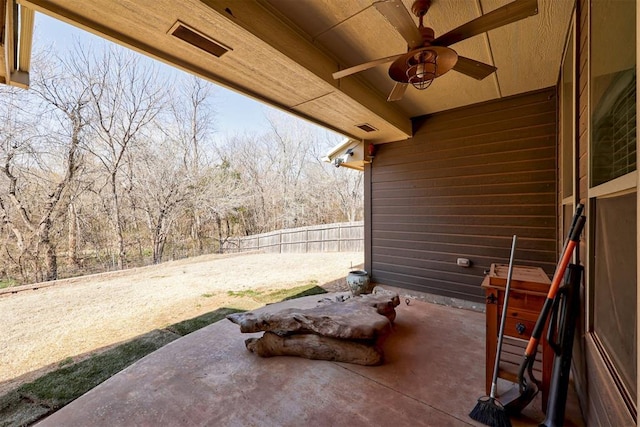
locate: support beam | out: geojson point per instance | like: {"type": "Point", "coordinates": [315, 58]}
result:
{"type": "Point", "coordinates": [9, 40]}
{"type": "Point", "coordinates": [294, 64]}
{"type": "Point", "coordinates": [16, 39]}
{"type": "Point", "coordinates": [27, 19]}
{"type": "Point", "coordinates": [339, 106]}
{"type": "Point", "coordinates": [261, 20]}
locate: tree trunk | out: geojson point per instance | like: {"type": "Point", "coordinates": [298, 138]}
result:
{"type": "Point", "coordinates": [51, 262]}
{"type": "Point", "coordinates": [195, 232]}
{"type": "Point", "coordinates": [159, 239]}
{"type": "Point", "coordinates": [118, 222]}
{"type": "Point", "coordinates": [50, 259]}
{"type": "Point", "coordinates": [220, 240]}
{"type": "Point", "coordinates": [158, 249]}
{"type": "Point", "coordinates": [121, 252]}
{"type": "Point", "coordinates": [73, 237]}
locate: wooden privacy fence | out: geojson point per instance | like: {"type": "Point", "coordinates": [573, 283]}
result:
{"type": "Point", "coordinates": [337, 237]}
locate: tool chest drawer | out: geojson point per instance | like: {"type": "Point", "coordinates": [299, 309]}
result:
{"type": "Point", "coordinates": [517, 327]}
{"type": "Point", "coordinates": [529, 287]}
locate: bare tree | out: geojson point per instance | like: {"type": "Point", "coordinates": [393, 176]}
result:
{"type": "Point", "coordinates": [162, 187]}
{"type": "Point", "coordinates": [193, 120]}
{"type": "Point", "coordinates": [192, 126]}
{"type": "Point", "coordinates": [15, 141]}
{"type": "Point", "coordinates": [249, 156]}
{"type": "Point", "coordinates": [125, 97]}
{"type": "Point", "coordinates": [290, 185]}
{"type": "Point", "coordinates": [290, 146]}
{"type": "Point", "coordinates": [226, 196]}
{"type": "Point", "coordinates": [39, 167]}
{"type": "Point", "coordinates": [338, 194]}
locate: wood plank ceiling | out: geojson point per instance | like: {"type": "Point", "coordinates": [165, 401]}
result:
{"type": "Point", "coordinates": [283, 52]}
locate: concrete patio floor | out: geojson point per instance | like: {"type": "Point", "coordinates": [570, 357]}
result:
{"type": "Point", "coordinates": [432, 376]}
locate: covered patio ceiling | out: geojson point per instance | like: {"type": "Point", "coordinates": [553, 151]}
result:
{"type": "Point", "coordinates": [284, 52]}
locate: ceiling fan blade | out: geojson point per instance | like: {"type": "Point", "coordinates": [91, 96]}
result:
{"type": "Point", "coordinates": [472, 68]}
{"type": "Point", "coordinates": [504, 15]}
{"type": "Point", "coordinates": [362, 67]}
{"type": "Point", "coordinates": [398, 91]}
{"type": "Point", "coordinates": [398, 16]}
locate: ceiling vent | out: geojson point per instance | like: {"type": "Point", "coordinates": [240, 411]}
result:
{"type": "Point", "coordinates": [366, 127]}
{"type": "Point", "coordinates": [194, 38]}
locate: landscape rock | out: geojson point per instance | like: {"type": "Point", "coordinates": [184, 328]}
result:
{"type": "Point", "coordinates": [345, 329]}
{"type": "Point", "coordinates": [316, 347]}
{"type": "Point", "coordinates": [363, 317]}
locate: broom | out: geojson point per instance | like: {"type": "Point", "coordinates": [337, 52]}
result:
{"type": "Point", "coordinates": [489, 410]}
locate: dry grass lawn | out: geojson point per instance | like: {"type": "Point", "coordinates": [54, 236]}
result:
{"type": "Point", "coordinates": [44, 328]}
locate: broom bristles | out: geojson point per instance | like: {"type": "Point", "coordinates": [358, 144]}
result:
{"type": "Point", "coordinates": [490, 412]}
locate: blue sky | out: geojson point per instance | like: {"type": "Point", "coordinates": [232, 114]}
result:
{"type": "Point", "coordinates": [240, 113]}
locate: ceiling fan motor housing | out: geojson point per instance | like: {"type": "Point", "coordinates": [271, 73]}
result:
{"type": "Point", "coordinates": [427, 35]}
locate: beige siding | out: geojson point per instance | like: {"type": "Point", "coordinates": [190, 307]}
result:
{"type": "Point", "coordinates": [468, 180]}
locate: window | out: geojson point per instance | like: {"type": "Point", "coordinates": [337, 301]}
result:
{"type": "Point", "coordinates": [615, 280]}
{"type": "Point", "coordinates": [612, 188]}
{"type": "Point", "coordinates": [614, 129]}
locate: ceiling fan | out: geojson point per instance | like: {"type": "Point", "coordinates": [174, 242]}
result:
{"type": "Point", "coordinates": [428, 57]}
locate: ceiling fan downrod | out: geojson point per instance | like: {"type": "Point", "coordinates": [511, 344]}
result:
{"type": "Point", "coordinates": [420, 9]}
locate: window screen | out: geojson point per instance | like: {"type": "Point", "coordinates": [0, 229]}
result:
{"type": "Point", "coordinates": [613, 89]}
{"type": "Point", "coordinates": [615, 279]}
{"type": "Point", "coordinates": [614, 131]}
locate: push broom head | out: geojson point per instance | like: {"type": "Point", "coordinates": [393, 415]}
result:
{"type": "Point", "coordinates": [490, 412]}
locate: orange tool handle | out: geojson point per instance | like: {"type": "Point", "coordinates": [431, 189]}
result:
{"type": "Point", "coordinates": [555, 285]}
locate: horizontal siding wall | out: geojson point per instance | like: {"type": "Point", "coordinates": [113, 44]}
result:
{"type": "Point", "coordinates": [468, 180]}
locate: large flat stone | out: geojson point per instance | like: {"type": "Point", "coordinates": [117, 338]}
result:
{"type": "Point", "coordinates": [364, 317]}
{"type": "Point", "coordinates": [312, 346]}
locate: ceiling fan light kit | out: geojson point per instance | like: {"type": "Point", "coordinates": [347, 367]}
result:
{"type": "Point", "coordinates": [422, 68]}
{"type": "Point", "coordinates": [427, 57]}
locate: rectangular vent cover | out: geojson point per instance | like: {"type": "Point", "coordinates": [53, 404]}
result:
{"type": "Point", "coordinates": [366, 127]}
{"type": "Point", "coordinates": [198, 40]}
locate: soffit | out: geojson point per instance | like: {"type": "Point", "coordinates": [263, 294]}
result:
{"type": "Point", "coordinates": [528, 56]}
{"type": "Point", "coordinates": [283, 52]}
{"type": "Point", "coordinates": [527, 53]}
